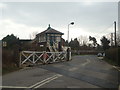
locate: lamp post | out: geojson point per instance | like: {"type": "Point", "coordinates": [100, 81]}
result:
{"type": "Point", "coordinates": [68, 49]}
{"type": "Point", "coordinates": [72, 23]}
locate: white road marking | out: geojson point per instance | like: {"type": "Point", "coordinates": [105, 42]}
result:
{"type": "Point", "coordinates": [12, 87]}
{"type": "Point", "coordinates": [42, 81]}
{"type": "Point", "coordinates": [83, 64]}
{"type": "Point", "coordinates": [45, 80]}
{"type": "Point", "coordinates": [116, 68]}
{"type": "Point", "coordinates": [88, 61]}
{"type": "Point", "coordinates": [73, 69]}
{"type": "Point", "coordinates": [39, 84]}
{"type": "Point", "coordinates": [100, 57]}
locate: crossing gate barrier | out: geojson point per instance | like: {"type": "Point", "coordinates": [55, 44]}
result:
{"type": "Point", "coordinates": [35, 57]}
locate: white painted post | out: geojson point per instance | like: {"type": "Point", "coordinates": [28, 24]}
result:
{"type": "Point", "coordinates": [54, 57]}
{"type": "Point", "coordinates": [44, 57]}
{"type": "Point", "coordinates": [70, 55]}
{"type": "Point", "coordinates": [33, 57]}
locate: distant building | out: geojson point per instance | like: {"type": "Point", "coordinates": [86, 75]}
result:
{"type": "Point", "coordinates": [49, 37]}
{"type": "Point", "coordinates": [4, 44]}
{"type": "Point", "coordinates": [24, 41]}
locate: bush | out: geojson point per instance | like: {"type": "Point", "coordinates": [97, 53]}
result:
{"type": "Point", "coordinates": [10, 58]}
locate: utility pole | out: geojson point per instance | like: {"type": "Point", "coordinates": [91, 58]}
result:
{"type": "Point", "coordinates": [111, 39]}
{"type": "Point", "coordinates": [115, 33]}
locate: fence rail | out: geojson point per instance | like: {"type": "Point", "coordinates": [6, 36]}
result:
{"type": "Point", "coordinates": [35, 57]}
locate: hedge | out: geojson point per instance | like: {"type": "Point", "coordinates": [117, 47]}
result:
{"type": "Point", "coordinates": [113, 54]}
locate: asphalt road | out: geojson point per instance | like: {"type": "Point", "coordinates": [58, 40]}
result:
{"type": "Point", "coordinates": [85, 71]}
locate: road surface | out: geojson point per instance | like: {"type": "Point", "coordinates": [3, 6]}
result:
{"type": "Point", "coordinates": [85, 71]}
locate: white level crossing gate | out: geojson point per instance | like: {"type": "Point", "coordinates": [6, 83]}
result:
{"type": "Point", "coordinates": [34, 57]}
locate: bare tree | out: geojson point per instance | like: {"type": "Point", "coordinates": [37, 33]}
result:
{"type": "Point", "coordinates": [83, 40]}
{"type": "Point", "coordinates": [30, 36]}
{"type": "Point", "coordinates": [33, 35]}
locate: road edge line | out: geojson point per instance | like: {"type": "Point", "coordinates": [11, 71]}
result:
{"type": "Point", "coordinates": [12, 87]}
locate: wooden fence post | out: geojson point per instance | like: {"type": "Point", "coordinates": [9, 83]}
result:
{"type": "Point", "coordinates": [68, 54]}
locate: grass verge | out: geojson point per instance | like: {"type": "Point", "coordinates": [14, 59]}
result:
{"type": "Point", "coordinates": [6, 70]}
{"type": "Point", "coordinates": [112, 62]}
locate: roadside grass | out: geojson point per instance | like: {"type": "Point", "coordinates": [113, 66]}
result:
{"type": "Point", "coordinates": [6, 70]}
{"type": "Point", "coordinates": [112, 62]}
{"type": "Point", "coordinates": [73, 54]}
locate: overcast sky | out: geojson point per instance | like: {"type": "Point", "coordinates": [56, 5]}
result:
{"type": "Point", "coordinates": [91, 18]}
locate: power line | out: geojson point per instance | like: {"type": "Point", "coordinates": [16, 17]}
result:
{"type": "Point", "coordinates": [105, 29]}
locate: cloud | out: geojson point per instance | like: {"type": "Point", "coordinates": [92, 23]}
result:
{"type": "Point", "coordinates": [8, 26]}
{"type": "Point", "coordinates": [22, 31]}
{"type": "Point", "coordinates": [24, 18]}
{"type": "Point", "coordinates": [37, 14]}
{"type": "Point", "coordinates": [3, 5]}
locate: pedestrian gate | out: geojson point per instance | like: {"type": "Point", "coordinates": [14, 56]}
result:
{"type": "Point", "coordinates": [34, 57]}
